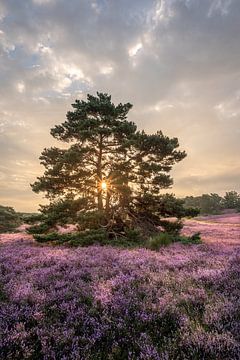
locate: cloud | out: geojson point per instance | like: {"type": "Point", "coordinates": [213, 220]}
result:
{"type": "Point", "coordinates": [219, 6]}
{"type": "Point", "coordinates": [216, 183]}
{"type": "Point", "coordinates": [177, 61]}
{"type": "Point", "coordinates": [43, 2]}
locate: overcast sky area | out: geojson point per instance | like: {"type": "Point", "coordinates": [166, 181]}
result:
{"type": "Point", "coordinates": [176, 61]}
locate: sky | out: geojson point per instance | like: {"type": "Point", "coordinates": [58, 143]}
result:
{"type": "Point", "coordinates": [176, 61]}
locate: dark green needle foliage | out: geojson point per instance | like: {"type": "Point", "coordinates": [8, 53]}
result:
{"type": "Point", "coordinates": [9, 219]}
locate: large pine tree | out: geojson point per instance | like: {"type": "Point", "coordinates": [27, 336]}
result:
{"type": "Point", "coordinates": [109, 166]}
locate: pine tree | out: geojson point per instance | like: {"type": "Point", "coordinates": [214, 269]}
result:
{"type": "Point", "coordinates": [9, 219]}
{"type": "Point", "coordinates": [109, 165]}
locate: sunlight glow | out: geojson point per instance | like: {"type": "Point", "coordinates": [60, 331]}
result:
{"type": "Point", "coordinates": [104, 185]}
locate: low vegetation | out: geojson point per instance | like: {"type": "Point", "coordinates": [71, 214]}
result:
{"type": "Point", "coordinates": [132, 239]}
{"type": "Point", "coordinates": [181, 302]}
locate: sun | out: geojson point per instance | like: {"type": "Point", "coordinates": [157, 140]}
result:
{"type": "Point", "coordinates": [103, 185]}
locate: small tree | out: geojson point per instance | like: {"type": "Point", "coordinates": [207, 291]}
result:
{"type": "Point", "coordinates": [9, 219]}
{"type": "Point", "coordinates": [109, 166]}
{"type": "Point", "coordinates": [231, 200]}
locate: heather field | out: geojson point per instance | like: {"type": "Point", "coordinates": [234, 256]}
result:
{"type": "Point", "coordinates": [182, 302]}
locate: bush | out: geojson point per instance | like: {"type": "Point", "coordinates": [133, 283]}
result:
{"type": "Point", "coordinates": [134, 236]}
{"type": "Point", "coordinates": [9, 219]}
{"type": "Point", "coordinates": [192, 212]}
{"type": "Point", "coordinates": [38, 229]}
{"type": "Point", "coordinates": [194, 239]}
{"type": "Point", "coordinates": [164, 239]}
{"type": "Point", "coordinates": [172, 227]}
{"type": "Point", "coordinates": [42, 238]}
{"type": "Point", "coordinates": [31, 218]}
{"type": "Point", "coordinates": [91, 237]}
{"type": "Point", "coordinates": [84, 238]}
{"type": "Point", "coordinates": [158, 240]}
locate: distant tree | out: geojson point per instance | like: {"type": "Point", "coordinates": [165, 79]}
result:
{"type": "Point", "coordinates": [231, 200]}
{"type": "Point", "coordinates": [192, 211]}
{"type": "Point", "coordinates": [9, 219]}
{"type": "Point", "coordinates": [109, 166]}
{"type": "Point", "coordinates": [206, 203]}
{"type": "Point", "coordinates": [211, 204]}
{"type": "Point", "coordinates": [192, 201]}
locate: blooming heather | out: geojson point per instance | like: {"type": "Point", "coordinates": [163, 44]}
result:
{"type": "Point", "coordinates": [182, 302]}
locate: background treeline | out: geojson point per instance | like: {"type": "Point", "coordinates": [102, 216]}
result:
{"type": "Point", "coordinates": [214, 203]}
{"type": "Point", "coordinates": [11, 219]}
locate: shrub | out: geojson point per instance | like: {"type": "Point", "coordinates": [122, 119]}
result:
{"type": "Point", "coordinates": [9, 219]}
{"type": "Point", "coordinates": [164, 239]}
{"type": "Point", "coordinates": [91, 237]}
{"type": "Point", "coordinates": [38, 229]}
{"type": "Point", "coordinates": [43, 238]}
{"type": "Point", "coordinates": [172, 227]}
{"type": "Point", "coordinates": [84, 238]}
{"type": "Point", "coordinates": [108, 304]}
{"type": "Point", "coordinates": [194, 239]}
{"type": "Point", "coordinates": [31, 218]}
{"type": "Point", "coordinates": [158, 240]}
{"type": "Point", "coordinates": [134, 236]}
{"type": "Point", "coordinates": [192, 212]}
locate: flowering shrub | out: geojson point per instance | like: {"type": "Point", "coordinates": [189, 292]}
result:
{"type": "Point", "coordinates": [108, 303]}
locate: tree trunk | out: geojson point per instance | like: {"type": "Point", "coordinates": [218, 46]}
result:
{"type": "Point", "coordinates": [107, 202]}
{"type": "Point", "coordinates": [100, 201]}
{"type": "Point", "coordinates": [99, 176]}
